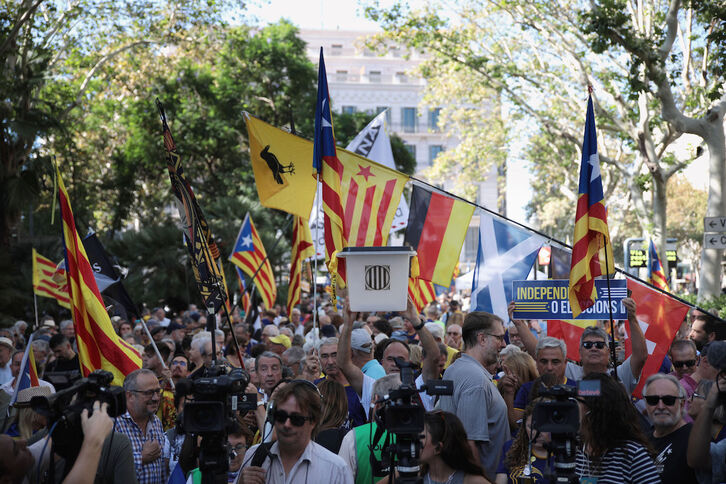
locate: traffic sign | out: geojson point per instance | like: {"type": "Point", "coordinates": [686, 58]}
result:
{"type": "Point", "coordinates": [714, 241]}
{"type": "Point", "coordinates": [714, 224]}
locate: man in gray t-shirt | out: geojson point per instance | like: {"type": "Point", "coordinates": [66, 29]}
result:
{"type": "Point", "coordinates": [476, 400]}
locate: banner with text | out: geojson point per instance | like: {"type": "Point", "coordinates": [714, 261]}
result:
{"type": "Point", "coordinates": [548, 299]}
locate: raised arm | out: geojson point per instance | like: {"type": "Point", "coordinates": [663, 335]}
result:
{"type": "Point", "coordinates": [352, 373]}
{"type": "Point", "coordinates": [637, 339]}
{"type": "Point", "coordinates": [699, 440]}
{"type": "Point", "coordinates": [528, 339]}
{"type": "Point", "coordinates": [430, 365]}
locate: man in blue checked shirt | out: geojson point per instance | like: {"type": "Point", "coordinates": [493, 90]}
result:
{"type": "Point", "coordinates": [143, 427]}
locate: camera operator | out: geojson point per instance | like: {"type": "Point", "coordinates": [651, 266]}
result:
{"type": "Point", "coordinates": [445, 456]}
{"type": "Point", "coordinates": [143, 427]}
{"type": "Point", "coordinates": [354, 449]}
{"type": "Point", "coordinates": [103, 457]}
{"type": "Point", "coordinates": [614, 449]}
{"type": "Point", "coordinates": [295, 457]}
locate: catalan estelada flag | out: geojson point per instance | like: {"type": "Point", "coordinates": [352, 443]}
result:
{"type": "Point", "coordinates": [28, 375]}
{"type": "Point", "coordinates": [99, 347]}
{"type": "Point", "coordinates": [437, 225]}
{"type": "Point", "coordinates": [243, 290]}
{"type": "Point", "coordinates": [43, 283]}
{"type": "Point", "coordinates": [327, 164]}
{"type": "Point", "coordinates": [302, 248]}
{"type": "Point", "coordinates": [591, 242]}
{"type": "Point", "coordinates": [250, 256]}
{"type": "Point", "coordinates": [656, 276]}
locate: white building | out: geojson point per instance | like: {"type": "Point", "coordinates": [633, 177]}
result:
{"type": "Point", "coordinates": [360, 80]}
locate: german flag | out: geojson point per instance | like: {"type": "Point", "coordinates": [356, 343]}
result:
{"type": "Point", "coordinates": [43, 283]}
{"type": "Point", "coordinates": [591, 247]}
{"type": "Point", "coordinates": [302, 248]}
{"type": "Point", "coordinates": [99, 347]}
{"type": "Point", "coordinates": [437, 226]}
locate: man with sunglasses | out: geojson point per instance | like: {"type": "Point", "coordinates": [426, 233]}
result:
{"type": "Point", "coordinates": [664, 401]}
{"type": "Point", "coordinates": [595, 353]}
{"type": "Point", "coordinates": [683, 357]}
{"type": "Point", "coordinates": [295, 457]}
{"type": "Point", "coordinates": [143, 428]}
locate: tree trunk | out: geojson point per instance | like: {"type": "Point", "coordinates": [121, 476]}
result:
{"type": "Point", "coordinates": [710, 275]}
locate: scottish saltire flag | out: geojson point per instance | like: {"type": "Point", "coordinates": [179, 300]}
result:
{"type": "Point", "coordinates": [506, 253]}
{"type": "Point", "coordinates": [330, 169]}
{"type": "Point", "coordinates": [591, 247]}
{"type": "Point", "coordinates": [28, 375]}
{"type": "Point", "coordinates": [656, 276]}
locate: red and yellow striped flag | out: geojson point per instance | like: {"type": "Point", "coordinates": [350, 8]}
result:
{"type": "Point", "coordinates": [302, 248]}
{"type": "Point", "coordinates": [591, 247]}
{"type": "Point", "coordinates": [99, 347]}
{"type": "Point", "coordinates": [422, 292]}
{"type": "Point", "coordinates": [43, 283]}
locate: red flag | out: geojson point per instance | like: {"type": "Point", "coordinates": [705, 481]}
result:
{"type": "Point", "coordinates": [659, 316]}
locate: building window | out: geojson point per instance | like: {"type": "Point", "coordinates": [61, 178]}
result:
{"type": "Point", "coordinates": [341, 76]}
{"type": "Point", "coordinates": [408, 120]}
{"type": "Point", "coordinates": [401, 78]}
{"type": "Point", "coordinates": [434, 120]}
{"type": "Point", "coordinates": [368, 53]}
{"type": "Point", "coordinates": [395, 52]}
{"type": "Point", "coordinates": [411, 149]}
{"type": "Point", "coordinates": [471, 244]}
{"type": "Point", "coordinates": [336, 49]}
{"type": "Point", "coordinates": [380, 109]}
{"type": "Point", "coordinates": [434, 151]}
{"type": "Point", "coordinates": [348, 109]}
{"type": "Point", "coordinates": [374, 76]}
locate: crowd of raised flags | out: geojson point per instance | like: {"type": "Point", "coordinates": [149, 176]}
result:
{"type": "Point", "coordinates": [359, 202]}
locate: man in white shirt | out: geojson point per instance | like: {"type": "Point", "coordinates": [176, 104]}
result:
{"type": "Point", "coordinates": [295, 457]}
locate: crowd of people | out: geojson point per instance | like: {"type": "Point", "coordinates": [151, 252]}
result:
{"type": "Point", "coordinates": [321, 381]}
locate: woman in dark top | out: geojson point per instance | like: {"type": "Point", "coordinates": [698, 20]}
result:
{"type": "Point", "coordinates": [334, 419]}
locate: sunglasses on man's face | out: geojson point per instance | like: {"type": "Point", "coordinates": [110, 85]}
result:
{"type": "Point", "coordinates": [597, 344]}
{"type": "Point", "coordinates": [297, 420]}
{"type": "Point", "coordinates": [668, 400]}
{"type": "Point", "coordinates": [681, 364]}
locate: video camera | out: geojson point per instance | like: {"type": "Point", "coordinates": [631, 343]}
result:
{"type": "Point", "coordinates": [559, 414]}
{"type": "Point", "coordinates": [212, 412]}
{"type": "Point", "coordinates": [64, 411]}
{"type": "Point", "coordinates": [403, 416]}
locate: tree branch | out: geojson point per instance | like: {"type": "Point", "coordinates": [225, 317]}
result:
{"type": "Point", "coordinates": [21, 20]}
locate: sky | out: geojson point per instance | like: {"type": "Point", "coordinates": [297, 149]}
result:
{"type": "Point", "coordinates": [348, 15]}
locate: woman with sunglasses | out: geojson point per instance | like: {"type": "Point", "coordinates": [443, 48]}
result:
{"type": "Point", "coordinates": [445, 457]}
{"type": "Point", "coordinates": [697, 401]}
{"type": "Point", "coordinates": [614, 449]}
{"type": "Point", "coordinates": [517, 461]}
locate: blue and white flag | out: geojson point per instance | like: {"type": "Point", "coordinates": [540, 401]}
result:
{"type": "Point", "coordinates": [506, 253]}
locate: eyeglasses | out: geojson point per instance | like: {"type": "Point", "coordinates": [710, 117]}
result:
{"type": "Point", "coordinates": [500, 337]}
{"type": "Point", "coordinates": [297, 420]}
{"type": "Point", "coordinates": [698, 395]}
{"type": "Point", "coordinates": [668, 400]}
{"type": "Point", "coordinates": [239, 447]}
{"type": "Point", "coordinates": [178, 363]}
{"type": "Point", "coordinates": [681, 364]}
{"type": "Point", "coordinates": [148, 393]}
{"type": "Point", "coordinates": [597, 344]}
{"type": "Point", "coordinates": [452, 333]}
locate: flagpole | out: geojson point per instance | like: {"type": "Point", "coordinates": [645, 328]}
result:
{"type": "Point", "coordinates": [610, 309]}
{"type": "Point", "coordinates": [156, 350]}
{"type": "Point", "coordinates": [35, 304]}
{"type": "Point", "coordinates": [315, 271]}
